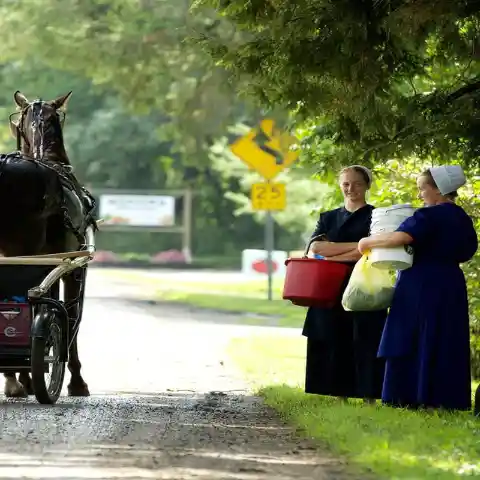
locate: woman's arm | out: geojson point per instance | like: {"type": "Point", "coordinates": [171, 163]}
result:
{"type": "Point", "coordinates": [350, 256]}
{"type": "Point", "coordinates": [384, 240]}
{"type": "Point", "coordinates": [322, 246]}
{"type": "Point", "coordinates": [331, 249]}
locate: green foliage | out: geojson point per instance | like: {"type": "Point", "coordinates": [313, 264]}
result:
{"type": "Point", "coordinates": [377, 79]}
{"type": "Point", "coordinates": [305, 194]}
{"type": "Point", "coordinates": [99, 133]}
{"type": "Point", "coordinates": [395, 182]}
{"type": "Point", "coordinates": [470, 200]}
{"type": "Point", "coordinates": [136, 48]}
{"type": "Point", "coordinates": [475, 352]}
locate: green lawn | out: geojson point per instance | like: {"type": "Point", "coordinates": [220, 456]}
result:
{"type": "Point", "coordinates": [242, 288]}
{"type": "Point", "coordinates": [263, 312]}
{"type": "Point", "coordinates": [392, 443]}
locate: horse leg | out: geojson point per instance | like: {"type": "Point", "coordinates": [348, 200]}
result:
{"type": "Point", "coordinates": [77, 386]}
{"type": "Point", "coordinates": [13, 388]}
{"type": "Point", "coordinates": [73, 288]}
{"type": "Point", "coordinates": [26, 381]}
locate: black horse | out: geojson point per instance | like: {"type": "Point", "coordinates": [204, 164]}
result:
{"type": "Point", "coordinates": [43, 209]}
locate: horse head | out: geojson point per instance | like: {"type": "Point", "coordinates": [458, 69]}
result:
{"type": "Point", "coordinates": [39, 128]}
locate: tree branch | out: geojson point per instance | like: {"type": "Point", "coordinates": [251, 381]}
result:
{"type": "Point", "coordinates": [465, 90]}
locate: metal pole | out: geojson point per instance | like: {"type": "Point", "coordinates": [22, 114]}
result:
{"type": "Point", "coordinates": [269, 246]}
{"type": "Point", "coordinates": [187, 224]}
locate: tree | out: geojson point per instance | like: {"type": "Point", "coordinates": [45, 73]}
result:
{"type": "Point", "coordinates": [100, 134]}
{"type": "Point", "coordinates": [376, 78]}
{"type": "Point", "coordinates": [136, 48]}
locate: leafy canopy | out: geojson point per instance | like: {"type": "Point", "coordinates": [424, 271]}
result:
{"type": "Point", "coordinates": [135, 47]}
{"type": "Point", "coordinates": [377, 78]}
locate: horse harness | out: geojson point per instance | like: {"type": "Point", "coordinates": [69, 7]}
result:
{"type": "Point", "coordinates": [68, 182]}
{"type": "Point", "coordinates": [64, 172]}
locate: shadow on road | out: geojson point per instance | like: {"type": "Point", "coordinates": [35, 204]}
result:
{"type": "Point", "coordinates": [166, 436]}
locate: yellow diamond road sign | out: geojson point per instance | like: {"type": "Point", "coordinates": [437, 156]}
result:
{"type": "Point", "coordinates": [268, 196]}
{"type": "Point", "coordinates": [266, 149]}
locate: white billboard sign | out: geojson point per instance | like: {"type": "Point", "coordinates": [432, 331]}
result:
{"type": "Point", "coordinates": [137, 210]}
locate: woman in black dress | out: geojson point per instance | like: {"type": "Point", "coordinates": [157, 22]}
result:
{"type": "Point", "coordinates": [342, 346]}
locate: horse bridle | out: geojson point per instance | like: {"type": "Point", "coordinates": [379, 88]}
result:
{"type": "Point", "coordinates": [38, 125]}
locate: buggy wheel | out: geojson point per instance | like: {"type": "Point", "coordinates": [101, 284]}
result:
{"type": "Point", "coordinates": [48, 371]}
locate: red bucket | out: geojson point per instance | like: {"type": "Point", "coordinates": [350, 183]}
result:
{"type": "Point", "coordinates": [314, 283]}
{"type": "Point", "coordinates": [310, 282]}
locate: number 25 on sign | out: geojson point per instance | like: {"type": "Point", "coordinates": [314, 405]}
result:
{"type": "Point", "coordinates": [268, 196]}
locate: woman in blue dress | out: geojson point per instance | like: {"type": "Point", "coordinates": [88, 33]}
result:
{"type": "Point", "coordinates": [342, 346]}
{"type": "Point", "coordinates": [426, 340]}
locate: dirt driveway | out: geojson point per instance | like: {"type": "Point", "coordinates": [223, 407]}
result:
{"type": "Point", "coordinates": [165, 404]}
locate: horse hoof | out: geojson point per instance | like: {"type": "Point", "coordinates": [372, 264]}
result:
{"type": "Point", "coordinates": [79, 389]}
{"type": "Point", "coordinates": [14, 389]}
{"type": "Point", "coordinates": [26, 381]}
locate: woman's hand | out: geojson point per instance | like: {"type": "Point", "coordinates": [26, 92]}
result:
{"type": "Point", "coordinates": [384, 240]}
{"type": "Point", "coordinates": [316, 245]}
{"type": "Point", "coordinates": [364, 245]}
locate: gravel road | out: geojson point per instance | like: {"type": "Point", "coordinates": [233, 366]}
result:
{"type": "Point", "coordinates": [165, 404]}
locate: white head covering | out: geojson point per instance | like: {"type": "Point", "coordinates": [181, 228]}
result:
{"type": "Point", "coordinates": [366, 170]}
{"type": "Point", "coordinates": [448, 178]}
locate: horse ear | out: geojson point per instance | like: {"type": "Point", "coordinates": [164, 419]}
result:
{"type": "Point", "coordinates": [60, 101]}
{"type": "Point", "coordinates": [20, 99]}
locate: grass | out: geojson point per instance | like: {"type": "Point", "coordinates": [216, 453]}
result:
{"type": "Point", "coordinates": [248, 298]}
{"type": "Point", "coordinates": [241, 288]}
{"type": "Point", "coordinates": [391, 443]}
{"type": "Point", "coordinates": [254, 311]}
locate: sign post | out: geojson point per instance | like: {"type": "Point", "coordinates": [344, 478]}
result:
{"type": "Point", "coordinates": [266, 149]}
{"type": "Point", "coordinates": [270, 197]}
{"type": "Point", "coordinates": [269, 247]}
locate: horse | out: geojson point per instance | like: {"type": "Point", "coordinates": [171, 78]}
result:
{"type": "Point", "coordinates": [44, 210]}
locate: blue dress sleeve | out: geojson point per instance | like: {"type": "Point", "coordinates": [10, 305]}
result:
{"type": "Point", "coordinates": [418, 226]}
